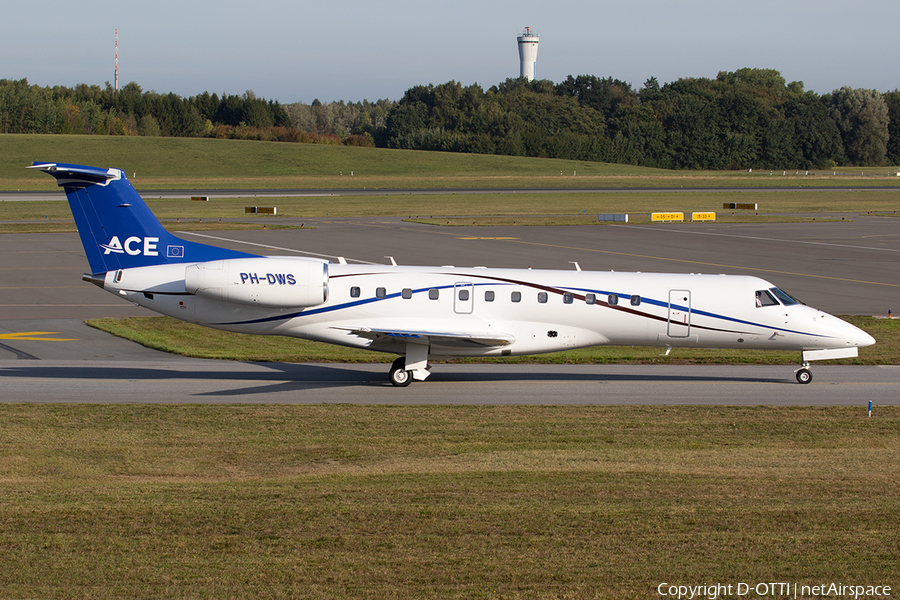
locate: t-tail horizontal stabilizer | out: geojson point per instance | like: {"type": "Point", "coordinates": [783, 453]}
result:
{"type": "Point", "coordinates": [117, 229]}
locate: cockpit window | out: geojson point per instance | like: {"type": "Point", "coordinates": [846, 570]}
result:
{"type": "Point", "coordinates": [785, 298]}
{"type": "Point", "coordinates": [764, 298]}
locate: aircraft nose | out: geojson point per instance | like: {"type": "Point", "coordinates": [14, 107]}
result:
{"type": "Point", "coordinates": [864, 339]}
{"type": "Point", "coordinates": [854, 336]}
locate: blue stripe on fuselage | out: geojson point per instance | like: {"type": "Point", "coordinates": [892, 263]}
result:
{"type": "Point", "coordinates": [503, 281]}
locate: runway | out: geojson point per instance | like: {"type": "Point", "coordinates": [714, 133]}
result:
{"type": "Point", "coordinates": [47, 354]}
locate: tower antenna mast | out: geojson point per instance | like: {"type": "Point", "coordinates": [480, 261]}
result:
{"type": "Point", "coordinates": [117, 62]}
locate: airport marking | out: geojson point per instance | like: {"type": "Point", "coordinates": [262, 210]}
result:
{"type": "Point", "coordinates": [114, 305]}
{"type": "Point", "coordinates": [37, 336]}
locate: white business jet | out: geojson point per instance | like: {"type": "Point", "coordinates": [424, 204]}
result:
{"type": "Point", "coordinates": [424, 313]}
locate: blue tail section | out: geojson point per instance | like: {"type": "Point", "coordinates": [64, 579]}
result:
{"type": "Point", "coordinates": [117, 229]}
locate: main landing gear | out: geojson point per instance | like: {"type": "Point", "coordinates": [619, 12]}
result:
{"type": "Point", "coordinates": [413, 366]}
{"type": "Point", "coordinates": [398, 375]}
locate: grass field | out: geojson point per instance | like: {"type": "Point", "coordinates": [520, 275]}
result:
{"type": "Point", "coordinates": [142, 501]}
{"type": "Point", "coordinates": [154, 163]}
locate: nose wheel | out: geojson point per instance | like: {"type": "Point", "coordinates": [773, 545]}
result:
{"type": "Point", "coordinates": [804, 375]}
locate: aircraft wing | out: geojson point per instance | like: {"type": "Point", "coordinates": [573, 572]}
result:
{"type": "Point", "coordinates": [444, 339]}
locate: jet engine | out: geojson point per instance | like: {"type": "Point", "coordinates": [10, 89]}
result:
{"type": "Point", "coordinates": [269, 282]}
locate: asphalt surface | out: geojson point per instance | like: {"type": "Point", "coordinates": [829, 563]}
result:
{"type": "Point", "coordinates": [211, 382]}
{"type": "Point", "coordinates": [20, 196]}
{"type": "Point", "coordinates": [845, 267]}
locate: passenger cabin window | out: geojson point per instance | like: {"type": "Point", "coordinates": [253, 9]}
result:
{"type": "Point", "coordinates": [434, 294]}
{"type": "Point", "coordinates": [406, 293]}
{"type": "Point", "coordinates": [464, 295]}
{"type": "Point", "coordinates": [542, 297]}
{"type": "Point", "coordinates": [354, 292]}
{"type": "Point", "coordinates": [590, 298]}
{"type": "Point", "coordinates": [612, 299]}
{"type": "Point", "coordinates": [380, 292]}
{"type": "Point", "coordinates": [516, 296]}
{"type": "Point", "coordinates": [635, 300]}
{"type": "Point", "coordinates": [568, 298]}
{"type": "Point", "coordinates": [764, 298]}
{"type": "Point", "coordinates": [489, 296]}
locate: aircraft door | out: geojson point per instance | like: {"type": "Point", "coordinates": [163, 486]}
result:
{"type": "Point", "coordinates": [463, 298]}
{"type": "Point", "coordinates": [679, 313]}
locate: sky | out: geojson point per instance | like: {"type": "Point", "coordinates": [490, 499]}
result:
{"type": "Point", "coordinates": [354, 50]}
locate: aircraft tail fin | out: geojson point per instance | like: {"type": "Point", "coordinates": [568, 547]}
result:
{"type": "Point", "coordinates": [117, 228]}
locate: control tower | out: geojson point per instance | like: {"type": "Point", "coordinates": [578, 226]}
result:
{"type": "Point", "coordinates": [528, 47]}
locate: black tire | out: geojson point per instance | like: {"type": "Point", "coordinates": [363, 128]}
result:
{"type": "Point", "coordinates": [398, 375]}
{"type": "Point", "coordinates": [804, 376]}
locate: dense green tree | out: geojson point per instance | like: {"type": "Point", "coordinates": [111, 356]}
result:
{"type": "Point", "coordinates": [148, 126]}
{"type": "Point", "coordinates": [892, 100]}
{"type": "Point", "coordinates": [206, 105]}
{"type": "Point", "coordinates": [814, 132]}
{"type": "Point", "coordinates": [759, 79]}
{"type": "Point", "coordinates": [130, 99]}
{"type": "Point", "coordinates": [610, 97]}
{"type": "Point", "coordinates": [862, 119]}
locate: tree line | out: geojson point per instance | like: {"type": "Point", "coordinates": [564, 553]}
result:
{"type": "Point", "coordinates": [92, 110]}
{"type": "Point", "coordinates": [750, 118]}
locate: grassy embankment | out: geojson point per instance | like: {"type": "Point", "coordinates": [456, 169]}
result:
{"type": "Point", "coordinates": [166, 163]}
{"type": "Point", "coordinates": [144, 501]}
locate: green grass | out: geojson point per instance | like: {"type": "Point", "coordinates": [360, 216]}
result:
{"type": "Point", "coordinates": [566, 207]}
{"type": "Point", "coordinates": [154, 163]}
{"type": "Point", "coordinates": [171, 335]}
{"type": "Point", "coordinates": [193, 501]}
{"type": "Point", "coordinates": [210, 163]}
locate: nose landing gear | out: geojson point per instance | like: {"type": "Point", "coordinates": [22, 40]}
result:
{"type": "Point", "coordinates": [804, 375]}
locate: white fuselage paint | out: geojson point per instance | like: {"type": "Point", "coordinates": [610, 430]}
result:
{"type": "Point", "coordinates": [553, 311]}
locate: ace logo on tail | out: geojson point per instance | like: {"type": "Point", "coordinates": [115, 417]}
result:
{"type": "Point", "coordinates": [133, 246]}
